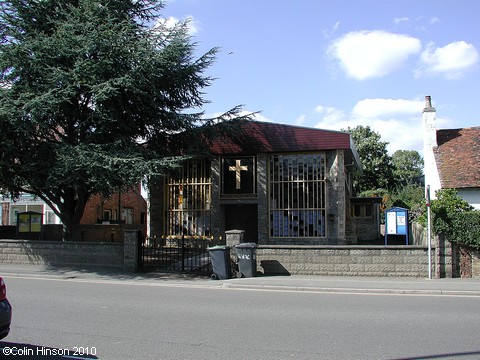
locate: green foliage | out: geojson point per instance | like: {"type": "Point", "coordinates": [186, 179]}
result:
{"type": "Point", "coordinates": [410, 197]}
{"type": "Point", "coordinates": [374, 193]}
{"type": "Point", "coordinates": [380, 171]}
{"type": "Point", "coordinates": [451, 215]}
{"type": "Point", "coordinates": [377, 164]}
{"type": "Point", "coordinates": [455, 218]}
{"type": "Point", "coordinates": [465, 228]}
{"type": "Point", "coordinates": [444, 208]}
{"type": "Point", "coordinates": [407, 166]}
{"type": "Point", "coordinates": [93, 98]}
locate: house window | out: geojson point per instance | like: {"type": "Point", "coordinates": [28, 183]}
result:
{"type": "Point", "coordinates": [107, 215]}
{"type": "Point", "coordinates": [362, 210]}
{"type": "Point", "coordinates": [297, 191]}
{"type": "Point", "coordinates": [127, 215]}
{"type": "Point", "coordinates": [49, 217]}
{"type": "Point", "coordinates": [188, 200]}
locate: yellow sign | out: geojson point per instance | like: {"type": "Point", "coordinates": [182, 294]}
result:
{"type": "Point", "coordinates": [29, 222]}
{"type": "Point", "coordinates": [36, 223]}
{"type": "Point", "coordinates": [23, 223]}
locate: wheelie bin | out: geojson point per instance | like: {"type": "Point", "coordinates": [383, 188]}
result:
{"type": "Point", "coordinates": [220, 256]}
{"type": "Point", "coordinates": [247, 259]}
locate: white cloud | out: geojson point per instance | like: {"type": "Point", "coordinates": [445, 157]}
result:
{"type": "Point", "coordinates": [331, 117]}
{"type": "Point", "coordinates": [373, 108]}
{"type": "Point", "coordinates": [400, 20]}
{"type": "Point", "coordinates": [329, 32]}
{"type": "Point", "coordinates": [452, 60]}
{"type": "Point", "coordinates": [254, 116]}
{"type": "Point", "coordinates": [257, 116]}
{"type": "Point", "coordinates": [398, 121]}
{"type": "Point", "coordinates": [193, 25]}
{"type": "Point", "coordinates": [171, 22]}
{"type": "Point", "coordinates": [300, 120]}
{"type": "Point", "coordinates": [367, 54]}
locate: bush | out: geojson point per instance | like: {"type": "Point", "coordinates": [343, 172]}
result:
{"type": "Point", "coordinates": [465, 228]}
{"type": "Point", "coordinates": [444, 208]}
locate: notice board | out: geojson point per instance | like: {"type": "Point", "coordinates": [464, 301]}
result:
{"type": "Point", "coordinates": [396, 223]}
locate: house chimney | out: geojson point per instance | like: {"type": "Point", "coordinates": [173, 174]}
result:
{"type": "Point", "coordinates": [428, 104]}
{"type": "Point", "coordinates": [430, 144]}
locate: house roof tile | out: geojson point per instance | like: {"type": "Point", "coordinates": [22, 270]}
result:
{"type": "Point", "coordinates": [264, 137]}
{"type": "Point", "coordinates": [458, 157]}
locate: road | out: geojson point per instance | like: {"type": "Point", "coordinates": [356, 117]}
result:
{"type": "Point", "coordinates": [147, 320]}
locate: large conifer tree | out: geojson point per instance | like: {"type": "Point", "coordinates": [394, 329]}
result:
{"type": "Point", "coordinates": [93, 97]}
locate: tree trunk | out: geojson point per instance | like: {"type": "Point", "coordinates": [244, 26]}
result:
{"type": "Point", "coordinates": [67, 231]}
{"type": "Point", "coordinates": [72, 211]}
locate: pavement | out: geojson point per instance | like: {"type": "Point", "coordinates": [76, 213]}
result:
{"type": "Point", "coordinates": [304, 283]}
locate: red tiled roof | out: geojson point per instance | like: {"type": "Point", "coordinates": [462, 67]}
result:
{"type": "Point", "coordinates": [458, 157]}
{"type": "Point", "coordinates": [264, 137]}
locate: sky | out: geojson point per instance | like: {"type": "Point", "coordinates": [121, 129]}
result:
{"type": "Point", "coordinates": [336, 64]}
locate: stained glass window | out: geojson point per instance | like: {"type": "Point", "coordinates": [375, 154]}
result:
{"type": "Point", "coordinates": [297, 192]}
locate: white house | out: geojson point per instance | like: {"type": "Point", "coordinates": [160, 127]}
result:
{"type": "Point", "coordinates": [451, 158]}
{"type": "Point", "coordinates": [25, 202]}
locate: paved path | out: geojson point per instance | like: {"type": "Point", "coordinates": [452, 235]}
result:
{"type": "Point", "coordinates": [374, 285]}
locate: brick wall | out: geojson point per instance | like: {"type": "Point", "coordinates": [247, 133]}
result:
{"type": "Point", "coordinates": [476, 264]}
{"type": "Point", "coordinates": [102, 232]}
{"type": "Point", "coordinates": [466, 262]}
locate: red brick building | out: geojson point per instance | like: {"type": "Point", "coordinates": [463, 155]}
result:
{"type": "Point", "coordinates": [128, 207]}
{"type": "Point", "coordinates": [100, 219]}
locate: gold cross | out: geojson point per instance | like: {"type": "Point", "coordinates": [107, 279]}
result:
{"type": "Point", "coordinates": [238, 168]}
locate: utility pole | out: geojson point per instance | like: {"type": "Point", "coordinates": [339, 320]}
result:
{"type": "Point", "coordinates": [429, 232]}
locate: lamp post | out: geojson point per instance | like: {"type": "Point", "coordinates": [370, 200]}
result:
{"type": "Point", "coordinates": [429, 233]}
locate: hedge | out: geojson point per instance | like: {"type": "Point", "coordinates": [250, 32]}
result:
{"type": "Point", "coordinates": [465, 228]}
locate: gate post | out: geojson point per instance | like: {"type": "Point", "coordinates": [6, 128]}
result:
{"type": "Point", "coordinates": [130, 250]}
{"type": "Point", "coordinates": [234, 237]}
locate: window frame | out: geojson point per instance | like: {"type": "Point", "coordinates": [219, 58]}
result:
{"type": "Point", "coordinates": [187, 211]}
{"type": "Point", "coordinates": [362, 211]}
{"type": "Point", "coordinates": [223, 194]}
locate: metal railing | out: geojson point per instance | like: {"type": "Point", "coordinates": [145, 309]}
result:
{"type": "Point", "coordinates": [185, 254]}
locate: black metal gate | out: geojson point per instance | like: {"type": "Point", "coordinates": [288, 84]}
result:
{"type": "Point", "coordinates": [179, 254]}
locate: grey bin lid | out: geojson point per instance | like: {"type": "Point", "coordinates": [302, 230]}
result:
{"type": "Point", "coordinates": [218, 247]}
{"type": "Point", "coordinates": [246, 246]}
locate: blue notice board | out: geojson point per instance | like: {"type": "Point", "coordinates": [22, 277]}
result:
{"type": "Point", "coordinates": [396, 223]}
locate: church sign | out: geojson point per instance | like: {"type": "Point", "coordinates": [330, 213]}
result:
{"type": "Point", "coordinates": [238, 176]}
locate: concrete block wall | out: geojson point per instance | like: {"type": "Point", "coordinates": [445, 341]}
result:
{"type": "Point", "coordinates": [61, 253]}
{"type": "Point", "coordinates": [409, 261]}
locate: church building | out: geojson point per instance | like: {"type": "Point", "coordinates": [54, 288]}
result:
{"type": "Point", "coordinates": [281, 184]}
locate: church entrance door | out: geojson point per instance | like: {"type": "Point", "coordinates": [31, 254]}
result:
{"type": "Point", "coordinates": [243, 217]}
